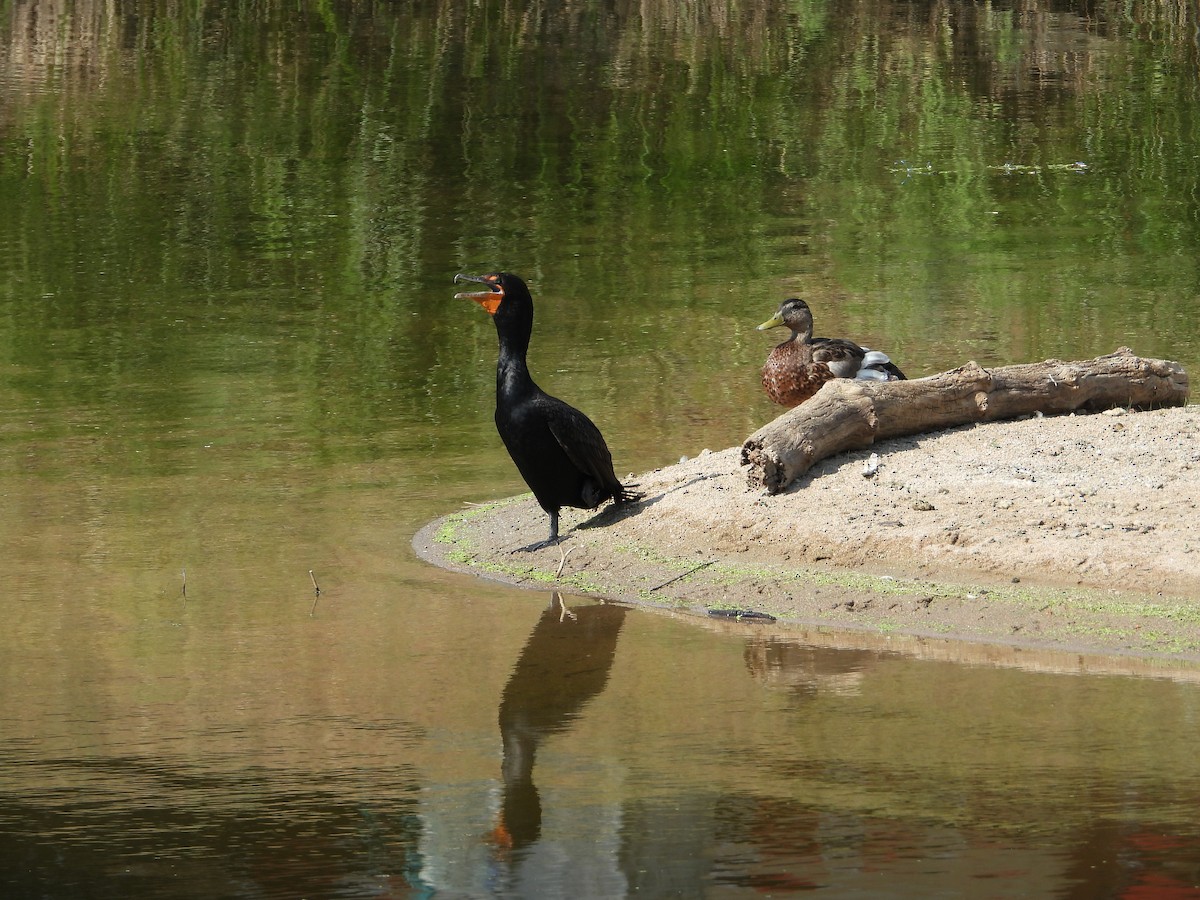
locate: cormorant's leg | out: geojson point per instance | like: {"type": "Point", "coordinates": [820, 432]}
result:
{"type": "Point", "coordinates": [553, 539]}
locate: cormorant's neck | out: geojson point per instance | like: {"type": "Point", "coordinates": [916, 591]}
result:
{"type": "Point", "coordinates": [512, 371]}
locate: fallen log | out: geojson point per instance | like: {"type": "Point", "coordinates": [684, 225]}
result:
{"type": "Point", "coordinates": [847, 414]}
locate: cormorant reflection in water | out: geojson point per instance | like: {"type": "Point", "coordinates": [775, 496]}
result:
{"type": "Point", "coordinates": [564, 664]}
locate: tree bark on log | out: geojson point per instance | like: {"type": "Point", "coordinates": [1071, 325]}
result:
{"type": "Point", "coordinates": [847, 414]}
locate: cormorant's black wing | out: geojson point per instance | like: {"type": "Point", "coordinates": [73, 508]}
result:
{"type": "Point", "coordinates": [582, 441]}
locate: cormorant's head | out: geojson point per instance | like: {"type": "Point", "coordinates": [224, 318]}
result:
{"type": "Point", "coordinates": [499, 285]}
{"type": "Point", "coordinates": [491, 298]}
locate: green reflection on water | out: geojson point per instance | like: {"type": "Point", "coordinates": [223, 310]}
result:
{"type": "Point", "coordinates": [285, 203]}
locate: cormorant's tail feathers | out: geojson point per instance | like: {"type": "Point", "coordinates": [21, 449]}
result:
{"type": "Point", "coordinates": [627, 494]}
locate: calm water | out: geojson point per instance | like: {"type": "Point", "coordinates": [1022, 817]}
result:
{"type": "Point", "coordinates": [230, 357]}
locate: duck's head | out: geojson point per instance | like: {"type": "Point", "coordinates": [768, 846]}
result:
{"type": "Point", "coordinates": [499, 287]}
{"type": "Point", "coordinates": [793, 313]}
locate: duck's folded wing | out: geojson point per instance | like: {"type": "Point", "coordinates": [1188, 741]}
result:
{"type": "Point", "coordinates": [844, 358]}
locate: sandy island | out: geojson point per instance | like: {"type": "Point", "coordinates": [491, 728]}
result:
{"type": "Point", "coordinates": [1078, 533]}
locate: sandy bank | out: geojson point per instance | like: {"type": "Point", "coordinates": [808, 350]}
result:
{"type": "Point", "coordinates": [1071, 532]}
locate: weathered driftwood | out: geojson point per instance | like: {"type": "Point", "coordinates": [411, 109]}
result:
{"type": "Point", "coordinates": [848, 415]}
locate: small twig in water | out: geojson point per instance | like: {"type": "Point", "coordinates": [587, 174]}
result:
{"type": "Point", "coordinates": [690, 571]}
{"type": "Point", "coordinates": [183, 575]}
{"type": "Point", "coordinates": [316, 593]}
{"type": "Point", "coordinates": [566, 613]}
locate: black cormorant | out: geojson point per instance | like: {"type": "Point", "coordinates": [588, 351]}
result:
{"type": "Point", "coordinates": [558, 450]}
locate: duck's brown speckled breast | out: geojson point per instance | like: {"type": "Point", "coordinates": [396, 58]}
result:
{"type": "Point", "coordinates": [790, 376]}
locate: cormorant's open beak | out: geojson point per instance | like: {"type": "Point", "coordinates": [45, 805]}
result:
{"type": "Point", "coordinates": [775, 320]}
{"type": "Point", "coordinates": [489, 299]}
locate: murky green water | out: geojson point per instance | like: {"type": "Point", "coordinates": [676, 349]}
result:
{"type": "Point", "coordinates": [229, 357]}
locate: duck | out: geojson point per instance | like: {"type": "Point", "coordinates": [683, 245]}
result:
{"type": "Point", "coordinates": [558, 450]}
{"type": "Point", "coordinates": [796, 369]}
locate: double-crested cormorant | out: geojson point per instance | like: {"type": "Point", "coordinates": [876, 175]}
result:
{"type": "Point", "coordinates": [798, 367]}
{"type": "Point", "coordinates": [558, 450]}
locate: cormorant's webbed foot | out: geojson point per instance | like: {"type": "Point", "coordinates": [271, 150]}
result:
{"type": "Point", "coordinates": [548, 542]}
